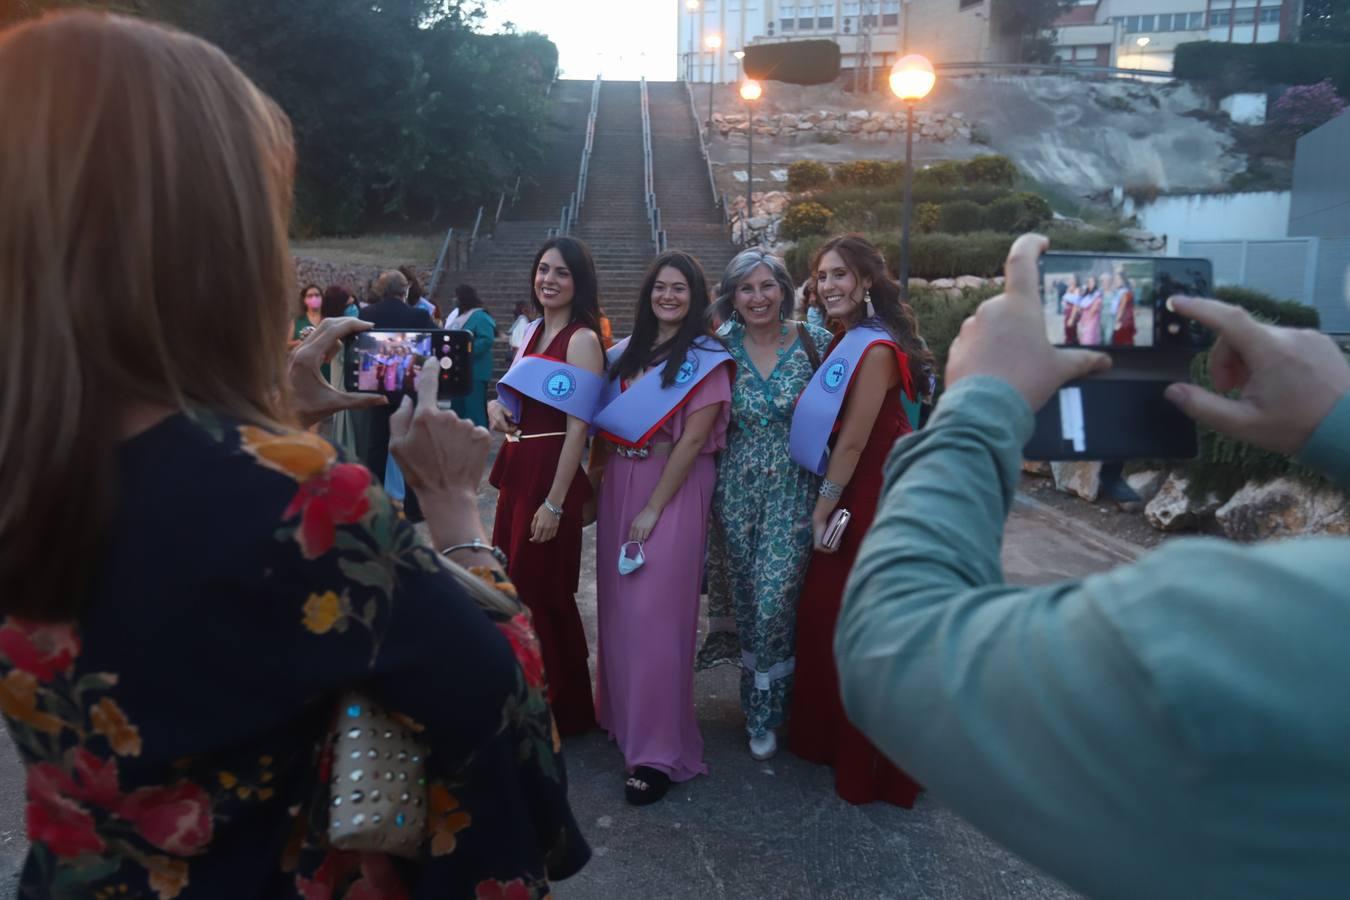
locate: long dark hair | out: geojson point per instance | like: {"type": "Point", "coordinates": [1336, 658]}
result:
{"type": "Point", "coordinates": [865, 261]}
{"type": "Point", "coordinates": [466, 298]}
{"type": "Point", "coordinates": [305, 290]}
{"type": "Point", "coordinates": [335, 302]}
{"type": "Point", "coordinates": [586, 296]}
{"type": "Point", "coordinates": [639, 354]}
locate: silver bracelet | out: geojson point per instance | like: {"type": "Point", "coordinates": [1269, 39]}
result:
{"type": "Point", "coordinates": [496, 553]}
{"type": "Point", "coordinates": [556, 510]}
{"type": "Point", "coordinates": [831, 491]}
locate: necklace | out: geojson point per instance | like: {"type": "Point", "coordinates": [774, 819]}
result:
{"type": "Point", "coordinates": [782, 340]}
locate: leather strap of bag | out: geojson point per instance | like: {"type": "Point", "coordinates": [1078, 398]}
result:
{"type": "Point", "coordinates": [812, 353]}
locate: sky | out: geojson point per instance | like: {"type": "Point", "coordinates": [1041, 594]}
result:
{"type": "Point", "coordinates": [621, 39]}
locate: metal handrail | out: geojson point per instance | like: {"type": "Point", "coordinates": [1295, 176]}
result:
{"type": "Point", "coordinates": [658, 236]}
{"type": "Point", "coordinates": [703, 141]}
{"type": "Point", "coordinates": [1053, 69]}
{"type": "Point", "coordinates": [571, 213]}
{"type": "Point", "coordinates": [440, 263]}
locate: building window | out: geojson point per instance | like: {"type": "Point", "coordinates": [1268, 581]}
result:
{"type": "Point", "coordinates": [787, 24]}
{"type": "Point", "coordinates": [967, 4]}
{"type": "Point", "coordinates": [1269, 16]}
{"type": "Point", "coordinates": [1146, 23]}
{"type": "Point", "coordinates": [890, 20]}
{"type": "Point", "coordinates": [825, 22]}
{"type": "Point", "coordinates": [890, 6]}
{"type": "Point", "coordinates": [1197, 21]}
{"type": "Point", "coordinates": [806, 24]}
{"type": "Point", "coordinates": [869, 21]}
{"type": "Point", "coordinates": [1244, 17]}
{"type": "Point", "coordinates": [1220, 18]}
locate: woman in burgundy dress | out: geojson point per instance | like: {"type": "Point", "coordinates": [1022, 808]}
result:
{"type": "Point", "coordinates": [853, 285]}
{"type": "Point", "coordinates": [542, 485]}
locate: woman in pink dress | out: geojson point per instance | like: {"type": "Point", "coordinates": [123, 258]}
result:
{"type": "Point", "coordinates": [1089, 319]}
{"type": "Point", "coordinates": [655, 500]}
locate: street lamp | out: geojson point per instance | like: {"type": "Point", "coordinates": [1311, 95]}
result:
{"type": "Point", "coordinates": [912, 77]}
{"type": "Point", "coordinates": [714, 43]}
{"type": "Point", "coordinates": [751, 91]}
{"type": "Point", "coordinates": [692, 6]}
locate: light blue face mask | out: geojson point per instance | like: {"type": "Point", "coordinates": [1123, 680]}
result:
{"type": "Point", "coordinates": [628, 565]}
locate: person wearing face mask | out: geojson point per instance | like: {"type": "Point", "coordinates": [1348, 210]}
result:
{"type": "Point", "coordinates": [760, 540]}
{"type": "Point", "coordinates": [545, 404]}
{"type": "Point", "coordinates": [843, 428]}
{"type": "Point", "coordinates": [663, 417]}
{"type": "Point", "coordinates": [309, 316]}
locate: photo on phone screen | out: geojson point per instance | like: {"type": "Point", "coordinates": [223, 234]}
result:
{"type": "Point", "coordinates": [388, 362]}
{"type": "Point", "coordinates": [1096, 301]}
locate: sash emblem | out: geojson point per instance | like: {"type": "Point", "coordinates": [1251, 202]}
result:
{"type": "Point", "coordinates": [834, 376]}
{"type": "Point", "coordinates": [688, 369]}
{"type": "Point", "coordinates": [560, 385]}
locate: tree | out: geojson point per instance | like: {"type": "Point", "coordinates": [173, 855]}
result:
{"type": "Point", "coordinates": [1325, 22]}
{"type": "Point", "coordinates": [1029, 23]}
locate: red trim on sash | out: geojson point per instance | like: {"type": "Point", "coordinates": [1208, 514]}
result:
{"type": "Point", "coordinates": [901, 358]}
{"type": "Point", "coordinates": [651, 432]}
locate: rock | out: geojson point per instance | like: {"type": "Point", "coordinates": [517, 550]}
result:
{"type": "Point", "coordinates": [918, 284]}
{"type": "Point", "coordinates": [806, 126]}
{"type": "Point", "coordinates": [1146, 483]}
{"type": "Point", "coordinates": [943, 283]}
{"type": "Point", "coordinates": [1039, 468]}
{"type": "Point", "coordinates": [970, 281]}
{"type": "Point", "coordinates": [1282, 508]}
{"type": "Point", "coordinates": [953, 293]}
{"type": "Point", "coordinates": [998, 280]}
{"type": "Point", "coordinates": [1172, 510]}
{"type": "Point", "coordinates": [1144, 240]}
{"type": "Point", "coordinates": [871, 126]}
{"type": "Point", "coordinates": [858, 115]}
{"type": "Point", "coordinates": [1081, 478]}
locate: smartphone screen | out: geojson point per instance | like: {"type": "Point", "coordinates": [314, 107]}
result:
{"type": "Point", "coordinates": [388, 361]}
{"type": "Point", "coordinates": [1119, 301]}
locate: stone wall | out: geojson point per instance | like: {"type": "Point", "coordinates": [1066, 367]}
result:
{"type": "Point", "coordinates": [857, 124]}
{"type": "Point", "coordinates": [358, 278]}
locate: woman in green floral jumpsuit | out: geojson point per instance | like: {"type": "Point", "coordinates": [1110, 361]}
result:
{"type": "Point", "coordinates": [760, 538]}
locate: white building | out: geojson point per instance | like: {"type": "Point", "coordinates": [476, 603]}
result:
{"type": "Point", "coordinates": [948, 30]}
{"type": "Point", "coordinates": [1143, 34]}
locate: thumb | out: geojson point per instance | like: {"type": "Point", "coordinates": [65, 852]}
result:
{"type": "Point", "coordinates": [365, 401]}
{"type": "Point", "coordinates": [401, 420]}
{"type": "Point", "coordinates": [1077, 363]}
{"type": "Point", "coordinates": [1210, 409]}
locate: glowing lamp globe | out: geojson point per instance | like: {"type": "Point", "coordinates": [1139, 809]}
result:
{"type": "Point", "coordinates": [691, 5]}
{"type": "Point", "coordinates": [912, 77]}
{"type": "Point", "coordinates": [713, 42]}
{"type": "Point", "coordinates": [751, 90]}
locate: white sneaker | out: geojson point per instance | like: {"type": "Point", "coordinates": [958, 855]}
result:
{"type": "Point", "coordinates": [764, 747]}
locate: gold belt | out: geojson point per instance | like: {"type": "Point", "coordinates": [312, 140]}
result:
{"type": "Point", "coordinates": [517, 438]}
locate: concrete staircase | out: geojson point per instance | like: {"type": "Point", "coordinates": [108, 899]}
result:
{"type": "Point", "coordinates": [613, 219]}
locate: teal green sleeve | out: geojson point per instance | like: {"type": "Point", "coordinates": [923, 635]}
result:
{"type": "Point", "coordinates": [1147, 732]}
{"type": "Point", "coordinates": [484, 330]}
{"type": "Point", "coordinates": [1328, 450]}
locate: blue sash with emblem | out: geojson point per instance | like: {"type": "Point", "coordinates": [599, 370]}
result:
{"type": "Point", "coordinates": [552, 382]}
{"type": "Point", "coordinates": [630, 418]}
{"type": "Point", "coordinates": [819, 405]}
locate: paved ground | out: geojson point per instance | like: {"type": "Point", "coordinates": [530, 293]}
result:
{"type": "Point", "coordinates": [763, 830]}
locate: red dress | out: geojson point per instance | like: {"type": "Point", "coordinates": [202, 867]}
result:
{"type": "Point", "coordinates": [819, 729]}
{"type": "Point", "coordinates": [546, 575]}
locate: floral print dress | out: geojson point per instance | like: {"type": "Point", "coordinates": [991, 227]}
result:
{"type": "Point", "coordinates": [174, 736]}
{"type": "Point", "coordinates": [759, 542]}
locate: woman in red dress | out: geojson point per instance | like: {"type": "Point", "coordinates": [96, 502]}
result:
{"type": "Point", "coordinates": [852, 283]}
{"type": "Point", "coordinates": [1125, 328]}
{"type": "Point", "coordinates": [542, 485]}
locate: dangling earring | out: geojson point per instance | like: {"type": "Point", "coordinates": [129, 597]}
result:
{"type": "Point", "coordinates": [867, 303]}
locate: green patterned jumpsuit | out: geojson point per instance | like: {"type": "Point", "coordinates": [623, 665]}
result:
{"type": "Point", "coordinates": [759, 542]}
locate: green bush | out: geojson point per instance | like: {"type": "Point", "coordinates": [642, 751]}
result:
{"type": "Point", "coordinates": [960, 217]}
{"type": "Point", "coordinates": [798, 258]}
{"type": "Point", "coordinates": [991, 169]}
{"type": "Point", "coordinates": [926, 217]}
{"type": "Point", "coordinates": [1289, 313]}
{"type": "Point", "coordinates": [1232, 67]}
{"type": "Point", "coordinates": [1089, 239]}
{"type": "Point", "coordinates": [807, 174]}
{"type": "Point", "coordinates": [940, 316]}
{"type": "Point", "coordinates": [862, 173]}
{"type": "Point", "coordinates": [1003, 215]}
{"type": "Point", "coordinates": [805, 218]}
{"type": "Point", "coordinates": [1038, 211]}
{"type": "Point", "coordinates": [943, 174]}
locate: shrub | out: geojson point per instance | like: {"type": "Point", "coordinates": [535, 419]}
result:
{"type": "Point", "coordinates": [798, 258]}
{"type": "Point", "coordinates": [827, 137]}
{"type": "Point", "coordinates": [1233, 67]}
{"type": "Point", "coordinates": [1289, 313]}
{"type": "Point", "coordinates": [940, 316]}
{"type": "Point", "coordinates": [960, 217]}
{"type": "Point", "coordinates": [807, 174]}
{"type": "Point", "coordinates": [1037, 214]}
{"type": "Point", "coordinates": [943, 174]}
{"type": "Point", "coordinates": [926, 217]}
{"type": "Point", "coordinates": [805, 218]}
{"type": "Point", "coordinates": [991, 169]}
{"type": "Point", "coordinates": [1303, 108]}
{"type": "Point", "coordinates": [861, 173]}
{"type": "Point", "coordinates": [1004, 215]}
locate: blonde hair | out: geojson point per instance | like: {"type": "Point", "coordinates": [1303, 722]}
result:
{"type": "Point", "coordinates": [143, 259]}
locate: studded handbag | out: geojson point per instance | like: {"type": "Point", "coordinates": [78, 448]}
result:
{"type": "Point", "coordinates": [378, 796]}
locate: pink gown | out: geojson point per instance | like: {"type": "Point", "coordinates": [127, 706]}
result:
{"type": "Point", "coordinates": [649, 619]}
{"type": "Point", "coordinates": [1090, 320]}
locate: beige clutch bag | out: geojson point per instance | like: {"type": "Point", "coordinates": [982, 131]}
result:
{"type": "Point", "coordinates": [378, 801]}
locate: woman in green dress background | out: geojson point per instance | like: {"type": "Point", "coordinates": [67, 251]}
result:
{"type": "Point", "coordinates": [759, 542]}
{"type": "Point", "coordinates": [470, 316]}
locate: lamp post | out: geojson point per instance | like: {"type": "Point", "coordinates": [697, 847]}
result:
{"type": "Point", "coordinates": [751, 91]}
{"type": "Point", "coordinates": [714, 43]}
{"type": "Point", "coordinates": [912, 77]}
{"type": "Point", "coordinates": [692, 6]}
{"type": "Point", "coordinates": [740, 55]}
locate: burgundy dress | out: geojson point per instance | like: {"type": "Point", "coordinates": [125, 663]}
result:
{"type": "Point", "coordinates": [820, 730]}
{"type": "Point", "coordinates": [546, 575]}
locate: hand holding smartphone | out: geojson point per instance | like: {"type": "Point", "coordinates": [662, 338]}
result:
{"type": "Point", "coordinates": [387, 361]}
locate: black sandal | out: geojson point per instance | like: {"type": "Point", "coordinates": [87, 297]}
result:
{"type": "Point", "coordinates": [646, 785]}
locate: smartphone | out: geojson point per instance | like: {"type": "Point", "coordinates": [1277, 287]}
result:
{"type": "Point", "coordinates": [1117, 304]}
{"type": "Point", "coordinates": [387, 361]}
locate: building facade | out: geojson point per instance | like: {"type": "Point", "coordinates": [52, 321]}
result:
{"type": "Point", "coordinates": [867, 31]}
{"type": "Point", "coordinates": [1321, 209]}
{"type": "Point", "coordinates": [1144, 34]}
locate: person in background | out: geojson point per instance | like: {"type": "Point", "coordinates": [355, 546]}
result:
{"type": "Point", "coordinates": [339, 429]}
{"type": "Point", "coordinates": [759, 541]}
{"type": "Point", "coordinates": [471, 317]}
{"type": "Point", "coordinates": [892, 362]}
{"type": "Point", "coordinates": [1124, 331]}
{"type": "Point", "coordinates": [416, 295]}
{"type": "Point", "coordinates": [542, 486]}
{"type": "Point", "coordinates": [309, 316]}
{"type": "Point", "coordinates": [1087, 316]}
{"type": "Point", "coordinates": [654, 500]}
{"type": "Point", "coordinates": [518, 325]}
{"type": "Point", "coordinates": [1172, 729]}
{"type": "Point", "coordinates": [1073, 295]}
{"type": "Point", "coordinates": [606, 331]}
{"type": "Point", "coordinates": [338, 302]}
{"type": "Point", "coordinates": [177, 749]}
